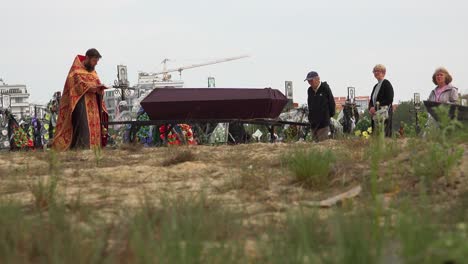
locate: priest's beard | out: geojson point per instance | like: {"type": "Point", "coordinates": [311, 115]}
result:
{"type": "Point", "coordinates": [89, 67]}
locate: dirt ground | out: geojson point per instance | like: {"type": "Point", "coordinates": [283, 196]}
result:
{"type": "Point", "coordinates": [252, 177]}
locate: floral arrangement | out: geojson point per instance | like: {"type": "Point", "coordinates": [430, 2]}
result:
{"type": "Point", "coordinates": [364, 134]}
{"type": "Point", "coordinates": [20, 138]}
{"type": "Point", "coordinates": [144, 134]}
{"type": "Point", "coordinates": [178, 134]}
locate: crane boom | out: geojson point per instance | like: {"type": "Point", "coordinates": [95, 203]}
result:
{"type": "Point", "coordinates": [180, 69]}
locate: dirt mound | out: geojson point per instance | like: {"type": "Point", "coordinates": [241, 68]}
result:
{"type": "Point", "coordinates": [252, 178]}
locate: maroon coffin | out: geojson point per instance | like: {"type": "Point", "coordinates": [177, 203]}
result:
{"type": "Point", "coordinates": [213, 103]}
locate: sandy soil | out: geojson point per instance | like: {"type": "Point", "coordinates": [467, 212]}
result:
{"type": "Point", "coordinates": [252, 178]}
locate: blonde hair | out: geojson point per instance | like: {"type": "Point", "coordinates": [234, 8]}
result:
{"type": "Point", "coordinates": [448, 77]}
{"type": "Point", "coordinates": [381, 68]}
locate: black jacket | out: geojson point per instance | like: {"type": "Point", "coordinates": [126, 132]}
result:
{"type": "Point", "coordinates": [321, 106]}
{"type": "Point", "coordinates": [385, 96]}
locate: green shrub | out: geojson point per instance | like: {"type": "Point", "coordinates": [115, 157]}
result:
{"type": "Point", "coordinates": [439, 153]}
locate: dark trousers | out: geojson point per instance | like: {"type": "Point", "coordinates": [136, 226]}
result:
{"type": "Point", "coordinates": [320, 134]}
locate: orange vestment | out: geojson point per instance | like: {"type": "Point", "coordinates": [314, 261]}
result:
{"type": "Point", "coordinates": [78, 82]}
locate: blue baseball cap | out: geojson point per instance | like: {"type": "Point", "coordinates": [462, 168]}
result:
{"type": "Point", "coordinates": [311, 75]}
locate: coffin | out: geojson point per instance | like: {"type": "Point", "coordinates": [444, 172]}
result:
{"type": "Point", "coordinates": [461, 111]}
{"type": "Point", "coordinates": [213, 103]}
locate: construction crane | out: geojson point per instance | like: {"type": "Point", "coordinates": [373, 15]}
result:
{"type": "Point", "coordinates": [166, 76]}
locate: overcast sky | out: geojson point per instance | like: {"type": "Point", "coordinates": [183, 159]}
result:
{"type": "Point", "coordinates": [342, 40]}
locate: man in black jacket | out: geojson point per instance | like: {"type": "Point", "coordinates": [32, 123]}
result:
{"type": "Point", "coordinates": [321, 106]}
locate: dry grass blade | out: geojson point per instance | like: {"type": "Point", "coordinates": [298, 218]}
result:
{"type": "Point", "coordinates": [335, 199]}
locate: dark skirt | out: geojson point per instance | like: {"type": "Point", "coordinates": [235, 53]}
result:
{"type": "Point", "coordinates": [80, 138]}
{"type": "Point", "coordinates": [387, 124]}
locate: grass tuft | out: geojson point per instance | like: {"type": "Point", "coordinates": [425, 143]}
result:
{"type": "Point", "coordinates": [44, 193]}
{"type": "Point", "coordinates": [311, 167]}
{"type": "Point", "coordinates": [179, 156]}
